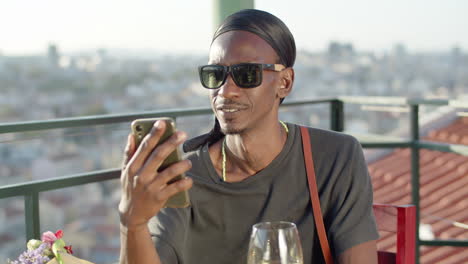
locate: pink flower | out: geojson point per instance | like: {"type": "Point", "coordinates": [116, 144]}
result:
{"type": "Point", "coordinates": [69, 249]}
{"type": "Point", "coordinates": [59, 234]}
{"type": "Point", "coordinates": [49, 238]}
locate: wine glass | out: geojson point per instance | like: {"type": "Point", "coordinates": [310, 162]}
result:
{"type": "Point", "coordinates": [275, 243]}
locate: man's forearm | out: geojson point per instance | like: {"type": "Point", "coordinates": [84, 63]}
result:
{"type": "Point", "coordinates": [362, 253]}
{"type": "Point", "coordinates": [136, 246]}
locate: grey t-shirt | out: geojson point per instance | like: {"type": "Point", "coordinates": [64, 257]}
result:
{"type": "Point", "coordinates": [216, 227]}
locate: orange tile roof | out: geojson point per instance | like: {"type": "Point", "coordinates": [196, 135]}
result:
{"type": "Point", "coordinates": [443, 191]}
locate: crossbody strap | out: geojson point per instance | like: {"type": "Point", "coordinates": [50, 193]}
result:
{"type": "Point", "coordinates": [309, 162]}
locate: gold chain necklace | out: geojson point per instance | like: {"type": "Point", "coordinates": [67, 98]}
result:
{"type": "Point", "coordinates": [223, 150]}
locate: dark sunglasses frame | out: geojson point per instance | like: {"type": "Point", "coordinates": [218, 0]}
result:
{"type": "Point", "coordinates": [228, 70]}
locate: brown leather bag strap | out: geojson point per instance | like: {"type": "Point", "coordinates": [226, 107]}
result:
{"type": "Point", "coordinates": [314, 197]}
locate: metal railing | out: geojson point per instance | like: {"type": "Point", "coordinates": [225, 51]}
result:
{"type": "Point", "coordinates": [30, 190]}
{"type": "Point", "coordinates": [415, 144]}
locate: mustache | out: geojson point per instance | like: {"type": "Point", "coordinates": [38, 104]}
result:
{"type": "Point", "coordinates": [229, 102]}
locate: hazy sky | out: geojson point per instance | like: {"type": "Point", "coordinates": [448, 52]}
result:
{"type": "Point", "coordinates": [185, 26]}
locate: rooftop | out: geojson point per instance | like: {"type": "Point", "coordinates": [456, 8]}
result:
{"type": "Point", "coordinates": [443, 191]}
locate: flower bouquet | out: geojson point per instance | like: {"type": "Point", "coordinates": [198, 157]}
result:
{"type": "Point", "coordinates": [51, 249]}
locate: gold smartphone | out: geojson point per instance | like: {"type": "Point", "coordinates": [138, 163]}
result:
{"type": "Point", "coordinates": [140, 128]}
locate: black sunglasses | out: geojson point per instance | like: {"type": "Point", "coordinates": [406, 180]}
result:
{"type": "Point", "coordinates": [245, 75]}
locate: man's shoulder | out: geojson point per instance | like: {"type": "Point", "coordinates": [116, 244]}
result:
{"type": "Point", "coordinates": [329, 141]}
{"type": "Point", "coordinates": [330, 136]}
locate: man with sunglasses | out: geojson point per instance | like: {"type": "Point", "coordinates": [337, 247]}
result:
{"type": "Point", "coordinates": [249, 168]}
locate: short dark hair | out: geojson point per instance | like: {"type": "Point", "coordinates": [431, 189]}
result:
{"type": "Point", "coordinates": [269, 28]}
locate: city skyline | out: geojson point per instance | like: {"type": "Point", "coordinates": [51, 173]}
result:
{"type": "Point", "coordinates": [56, 85]}
{"type": "Point", "coordinates": [166, 27]}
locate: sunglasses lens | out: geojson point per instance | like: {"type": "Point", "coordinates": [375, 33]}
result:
{"type": "Point", "coordinates": [212, 76]}
{"type": "Point", "coordinates": [247, 75]}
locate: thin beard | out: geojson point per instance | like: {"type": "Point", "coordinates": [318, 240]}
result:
{"type": "Point", "coordinates": [232, 131]}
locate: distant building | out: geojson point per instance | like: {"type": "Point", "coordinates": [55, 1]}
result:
{"type": "Point", "coordinates": [53, 55]}
{"type": "Point", "coordinates": [337, 50]}
{"type": "Point", "coordinates": [400, 50]}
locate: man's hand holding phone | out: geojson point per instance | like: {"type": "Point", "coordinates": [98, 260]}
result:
{"type": "Point", "coordinates": [145, 187]}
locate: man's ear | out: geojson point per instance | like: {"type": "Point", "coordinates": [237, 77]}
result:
{"type": "Point", "coordinates": [286, 82]}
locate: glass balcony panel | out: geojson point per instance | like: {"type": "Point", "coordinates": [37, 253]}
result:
{"type": "Point", "coordinates": [88, 216]}
{"type": "Point", "coordinates": [443, 254]}
{"type": "Point", "coordinates": [444, 124]}
{"type": "Point", "coordinates": [13, 232]}
{"type": "Point", "coordinates": [390, 171]}
{"type": "Point", "coordinates": [443, 194]}
{"type": "Point", "coordinates": [195, 125]}
{"type": "Point", "coordinates": [387, 121]}
{"type": "Point", "coordinates": [315, 115]}
{"type": "Point", "coordinates": [60, 152]}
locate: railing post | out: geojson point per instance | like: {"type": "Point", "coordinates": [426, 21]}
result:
{"type": "Point", "coordinates": [31, 213]}
{"type": "Point", "coordinates": [414, 119]}
{"type": "Point", "coordinates": [337, 115]}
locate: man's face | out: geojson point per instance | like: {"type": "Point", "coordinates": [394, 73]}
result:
{"type": "Point", "coordinates": [239, 109]}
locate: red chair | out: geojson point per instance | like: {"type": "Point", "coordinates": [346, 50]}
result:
{"type": "Point", "coordinates": [399, 219]}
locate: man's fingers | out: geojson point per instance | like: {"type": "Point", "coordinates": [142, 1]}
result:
{"type": "Point", "coordinates": [159, 154]}
{"type": "Point", "coordinates": [169, 173]}
{"type": "Point", "coordinates": [146, 147]}
{"type": "Point", "coordinates": [164, 194]}
{"type": "Point", "coordinates": [129, 150]}
{"type": "Point", "coordinates": [128, 153]}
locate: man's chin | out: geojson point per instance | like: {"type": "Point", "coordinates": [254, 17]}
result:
{"type": "Point", "coordinates": [231, 130]}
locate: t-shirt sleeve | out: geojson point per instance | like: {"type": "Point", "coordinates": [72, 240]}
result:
{"type": "Point", "coordinates": [168, 232]}
{"type": "Point", "coordinates": [166, 251]}
{"type": "Point", "coordinates": [352, 218]}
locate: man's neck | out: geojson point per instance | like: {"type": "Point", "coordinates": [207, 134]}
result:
{"type": "Point", "coordinates": [251, 151]}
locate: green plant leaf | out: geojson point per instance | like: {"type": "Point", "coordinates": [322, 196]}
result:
{"type": "Point", "coordinates": [57, 247]}
{"type": "Point", "coordinates": [33, 244]}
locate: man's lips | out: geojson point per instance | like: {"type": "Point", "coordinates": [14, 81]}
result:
{"type": "Point", "coordinates": [230, 108]}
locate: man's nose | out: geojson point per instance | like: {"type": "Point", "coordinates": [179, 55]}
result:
{"type": "Point", "coordinates": [229, 88]}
